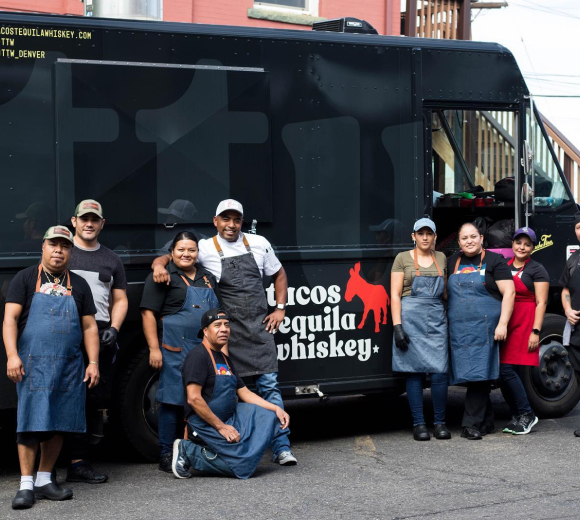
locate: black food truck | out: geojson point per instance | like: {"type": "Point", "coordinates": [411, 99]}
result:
{"type": "Point", "coordinates": [335, 143]}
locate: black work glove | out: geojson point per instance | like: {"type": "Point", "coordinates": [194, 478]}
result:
{"type": "Point", "coordinates": [401, 338]}
{"type": "Point", "coordinates": [109, 336]}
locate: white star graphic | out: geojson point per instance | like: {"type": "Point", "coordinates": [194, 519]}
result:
{"type": "Point", "coordinates": [376, 349]}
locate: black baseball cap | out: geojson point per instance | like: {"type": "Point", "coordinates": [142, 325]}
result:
{"type": "Point", "coordinates": [209, 317]}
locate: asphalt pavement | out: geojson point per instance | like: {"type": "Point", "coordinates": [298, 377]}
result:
{"type": "Point", "coordinates": [357, 459]}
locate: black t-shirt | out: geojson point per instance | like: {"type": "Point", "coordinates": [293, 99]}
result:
{"type": "Point", "coordinates": [494, 268]}
{"type": "Point", "coordinates": [103, 270]}
{"type": "Point", "coordinates": [569, 268]}
{"type": "Point", "coordinates": [198, 368]}
{"type": "Point", "coordinates": [23, 286]}
{"type": "Point", "coordinates": [533, 272]}
{"type": "Point", "coordinates": [165, 299]}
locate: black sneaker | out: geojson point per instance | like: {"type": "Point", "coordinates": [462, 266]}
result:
{"type": "Point", "coordinates": [84, 472]}
{"type": "Point", "coordinates": [525, 424]}
{"type": "Point", "coordinates": [165, 462]}
{"type": "Point", "coordinates": [472, 434]}
{"type": "Point", "coordinates": [509, 427]}
{"type": "Point", "coordinates": [180, 463]}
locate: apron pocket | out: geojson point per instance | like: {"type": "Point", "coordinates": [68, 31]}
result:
{"type": "Point", "coordinates": [51, 372]}
{"type": "Point", "coordinates": [467, 291]}
{"type": "Point", "coordinates": [472, 335]}
{"type": "Point", "coordinates": [60, 321]}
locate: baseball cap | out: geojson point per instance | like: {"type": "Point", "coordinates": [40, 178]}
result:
{"type": "Point", "coordinates": [89, 206]}
{"type": "Point", "coordinates": [58, 232]}
{"type": "Point", "coordinates": [231, 204]}
{"type": "Point", "coordinates": [37, 210]}
{"type": "Point", "coordinates": [180, 208]}
{"type": "Point", "coordinates": [209, 317]}
{"type": "Point", "coordinates": [385, 225]}
{"type": "Point", "coordinates": [425, 222]}
{"type": "Point", "coordinates": [529, 232]}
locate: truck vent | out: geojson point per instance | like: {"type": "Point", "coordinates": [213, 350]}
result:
{"type": "Point", "coordinates": [345, 25]}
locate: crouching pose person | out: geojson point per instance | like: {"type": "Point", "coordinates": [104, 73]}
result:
{"type": "Point", "coordinates": [224, 437]}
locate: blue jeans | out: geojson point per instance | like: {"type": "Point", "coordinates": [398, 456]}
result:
{"type": "Point", "coordinates": [267, 387]}
{"type": "Point", "coordinates": [439, 385]}
{"type": "Point", "coordinates": [170, 426]}
{"type": "Point", "coordinates": [203, 459]}
{"type": "Point", "coordinates": [513, 390]}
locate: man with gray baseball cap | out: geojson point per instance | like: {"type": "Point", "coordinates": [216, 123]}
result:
{"type": "Point", "coordinates": [239, 261]}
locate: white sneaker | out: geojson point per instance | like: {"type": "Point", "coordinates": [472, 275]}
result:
{"type": "Point", "coordinates": [286, 458]}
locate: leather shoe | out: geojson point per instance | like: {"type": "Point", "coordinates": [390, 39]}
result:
{"type": "Point", "coordinates": [441, 432]}
{"type": "Point", "coordinates": [577, 433]}
{"type": "Point", "coordinates": [24, 499]}
{"type": "Point", "coordinates": [487, 429]}
{"type": "Point", "coordinates": [472, 434]}
{"type": "Point", "coordinates": [52, 491]}
{"type": "Point", "coordinates": [421, 433]}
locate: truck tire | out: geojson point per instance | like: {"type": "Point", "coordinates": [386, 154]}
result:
{"type": "Point", "coordinates": [136, 410]}
{"type": "Point", "coordinates": [552, 388]}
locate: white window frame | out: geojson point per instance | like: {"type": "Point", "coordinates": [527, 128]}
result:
{"type": "Point", "coordinates": [312, 7]}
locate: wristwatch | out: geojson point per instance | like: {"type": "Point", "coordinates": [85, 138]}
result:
{"type": "Point", "coordinates": [536, 331]}
{"type": "Point", "coordinates": [281, 306]}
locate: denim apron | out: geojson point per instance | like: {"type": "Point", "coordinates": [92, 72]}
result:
{"type": "Point", "coordinates": [473, 316]}
{"type": "Point", "coordinates": [51, 395]}
{"type": "Point", "coordinates": [251, 347]}
{"type": "Point", "coordinates": [424, 320]}
{"type": "Point", "coordinates": [256, 426]}
{"type": "Point", "coordinates": [179, 337]}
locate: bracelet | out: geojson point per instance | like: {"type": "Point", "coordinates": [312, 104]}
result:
{"type": "Point", "coordinates": [93, 363]}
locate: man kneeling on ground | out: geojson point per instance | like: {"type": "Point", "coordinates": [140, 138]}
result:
{"type": "Point", "coordinates": [226, 437]}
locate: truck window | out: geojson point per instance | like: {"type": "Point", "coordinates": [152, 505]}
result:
{"type": "Point", "coordinates": [472, 151]}
{"type": "Point", "coordinates": [162, 144]}
{"type": "Point", "coordinates": [550, 192]}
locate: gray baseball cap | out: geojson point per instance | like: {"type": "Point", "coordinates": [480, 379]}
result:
{"type": "Point", "coordinates": [425, 222]}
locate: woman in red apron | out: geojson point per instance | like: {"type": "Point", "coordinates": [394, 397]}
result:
{"type": "Point", "coordinates": [521, 346]}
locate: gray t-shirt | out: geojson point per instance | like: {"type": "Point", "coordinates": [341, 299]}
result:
{"type": "Point", "coordinates": [103, 271]}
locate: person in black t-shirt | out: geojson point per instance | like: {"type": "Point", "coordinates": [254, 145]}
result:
{"type": "Point", "coordinates": [570, 282]}
{"type": "Point", "coordinates": [171, 321]}
{"type": "Point", "coordinates": [49, 312]}
{"type": "Point", "coordinates": [481, 296]}
{"type": "Point", "coordinates": [521, 346]}
{"type": "Point", "coordinates": [230, 436]}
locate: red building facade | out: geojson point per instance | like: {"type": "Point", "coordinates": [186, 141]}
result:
{"type": "Point", "coordinates": [383, 15]}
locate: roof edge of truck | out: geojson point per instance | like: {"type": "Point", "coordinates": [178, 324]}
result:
{"type": "Point", "coordinates": [256, 32]}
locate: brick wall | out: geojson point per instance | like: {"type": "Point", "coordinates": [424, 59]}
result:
{"type": "Point", "coordinates": [233, 12]}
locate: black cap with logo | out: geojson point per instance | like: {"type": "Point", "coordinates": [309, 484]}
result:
{"type": "Point", "coordinates": [209, 317]}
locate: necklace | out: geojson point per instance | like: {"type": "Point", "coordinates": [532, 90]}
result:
{"type": "Point", "coordinates": [55, 279]}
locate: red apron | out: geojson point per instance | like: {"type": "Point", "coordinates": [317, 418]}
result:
{"type": "Point", "coordinates": [514, 350]}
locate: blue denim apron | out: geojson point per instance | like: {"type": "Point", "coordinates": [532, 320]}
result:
{"type": "Point", "coordinates": [256, 426]}
{"type": "Point", "coordinates": [424, 320]}
{"type": "Point", "coordinates": [251, 347]}
{"type": "Point", "coordinates": [51, 395]}
{"type": "Point", "coordinates": [179, 337]}
{"type": "Point", "coordinates": [473, 316]}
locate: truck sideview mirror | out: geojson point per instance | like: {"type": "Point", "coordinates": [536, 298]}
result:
{"type": "Point", "coordinates": [528, 159]}
{"type": "Point", "coordinates": [527, 193]}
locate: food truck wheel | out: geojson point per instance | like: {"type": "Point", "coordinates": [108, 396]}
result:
{"type": "Point", "coordinates": [552, 388]}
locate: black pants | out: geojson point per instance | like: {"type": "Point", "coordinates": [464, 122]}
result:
{"type": "Point", "coordinates": [78, 444]}
{"type": "Point", "coordinates": [574, 355]}
{"type": "Point", "coordinates": [478, 410]}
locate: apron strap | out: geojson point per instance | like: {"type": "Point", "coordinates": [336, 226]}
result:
{"type": "Point", "coordinates": [209, 351]}
{"type": "Point", "coordinates": [418, 273]}
{"type": "Point", "coordinates": [218, 247]}
{"type": "Point", "coordinates": [68, 285]}
{"type": "Point", "coordinates": [246, 244]}
{"type": "Point", "coordinates": [205, 279]}
{"type": "Point", "coordinates": [511, 261]}
{"type": "Point", "coordinates": [480, 261]}
{"type": "Point", "coordinates": [185, 280]}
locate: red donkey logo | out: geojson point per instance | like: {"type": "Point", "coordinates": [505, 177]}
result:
{"type": "Point", "coordinates": [374, 297]}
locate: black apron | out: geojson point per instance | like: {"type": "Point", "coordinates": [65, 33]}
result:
{"type": "Point", "coordinates": [251, 347]}
{"type": "Point", "coordinates": [574, 288]}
